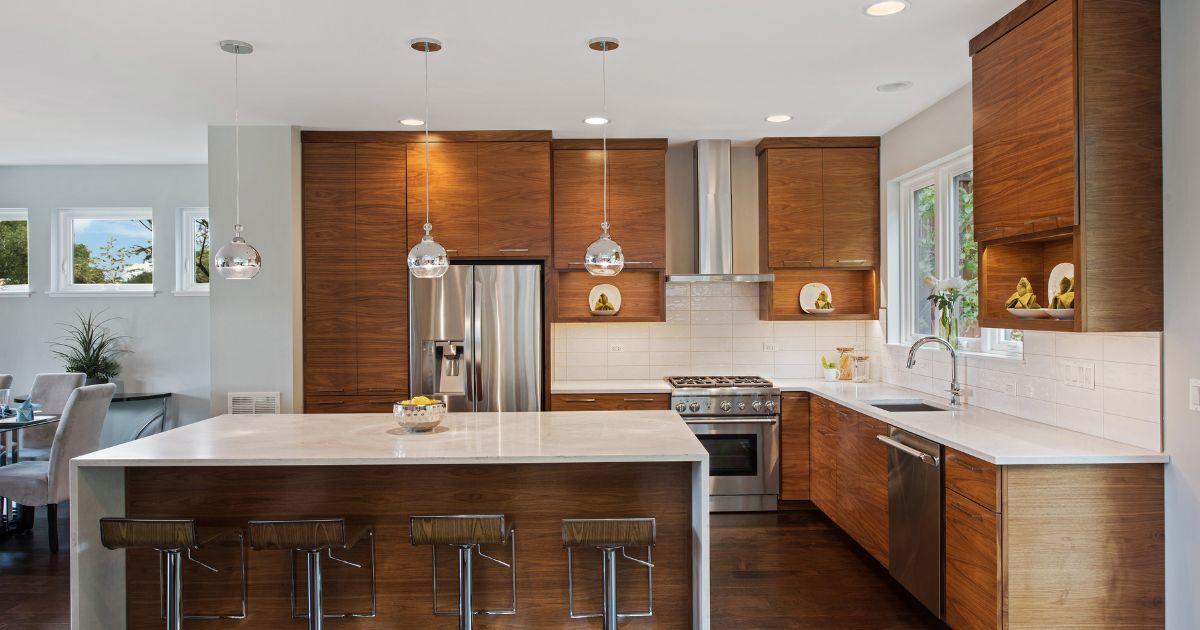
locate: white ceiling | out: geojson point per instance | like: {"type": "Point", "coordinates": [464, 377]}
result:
{"type": "Point", "coordinates": [137, 81]}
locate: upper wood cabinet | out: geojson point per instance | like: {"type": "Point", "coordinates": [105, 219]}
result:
{"type": "Point", "coordinates": [355, 276]}
{"type": "Point", "coordinates": [819, 202]}
{"type": "Point", "coordinates": [1068, 161]}
{"type": "Point", "coordinates": [486, 199]}
{"type": "Point", "coordinates": [636, 200]}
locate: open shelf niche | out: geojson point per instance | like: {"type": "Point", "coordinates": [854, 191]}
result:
{"type": "Point", "coordinates": [1004, 263]}
{"type": "Point", "coordinates": [855, 294]}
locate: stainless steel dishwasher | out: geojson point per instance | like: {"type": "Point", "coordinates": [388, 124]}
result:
{"type": "Point", "coordinates": [915, 515]}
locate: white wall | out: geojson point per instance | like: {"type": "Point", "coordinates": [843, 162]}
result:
{"type": "Point", "coordinates": [168, 335]}
{"type": "Point", "coordinates": [1181, 166]}
{"type": "Point", "coordinates": [256, 324]}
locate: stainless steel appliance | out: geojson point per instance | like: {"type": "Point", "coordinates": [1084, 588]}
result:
{"type": "Point", "coordinates": [736, 418]}
{"type": "Point", "coordinates": [475, 337]}
{"type": "Point", "coordinates": [915, 515]}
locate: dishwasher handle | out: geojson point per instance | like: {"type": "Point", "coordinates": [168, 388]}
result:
{"type": "Point", "coordinates": [932, 460]}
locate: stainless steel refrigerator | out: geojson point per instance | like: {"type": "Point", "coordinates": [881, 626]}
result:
{"type": "Point", "coordinates": [475, 337]}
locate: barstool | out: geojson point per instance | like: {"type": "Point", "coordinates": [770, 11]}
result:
{"type": "Point", "coordinates": [467, 532]}
{"type": "Point", "coordinates": [610, 535]}
{"type": "Point", "coordinates": [314, 537]}
{"type": "Point", "coordinates": [174, 540]}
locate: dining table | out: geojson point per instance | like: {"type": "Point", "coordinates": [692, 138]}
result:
{"type": "Point", "coordinates": [10, 453]}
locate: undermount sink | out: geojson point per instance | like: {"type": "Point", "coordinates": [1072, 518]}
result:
{"type": "Point", "coordinates": [906, 405]}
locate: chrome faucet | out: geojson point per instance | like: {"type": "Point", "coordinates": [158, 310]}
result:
{"type": "Point", "coordinates": [955, 390]}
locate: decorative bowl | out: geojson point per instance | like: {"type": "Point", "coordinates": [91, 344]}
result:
{"type": "Point", "coordinates": [1029, 313]}
{"type": "Point", "coordinates": [1060, 313]}
{"type": "Point", "coordinates": [419, 418]}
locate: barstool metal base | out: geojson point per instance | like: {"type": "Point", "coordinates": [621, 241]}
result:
{"type": "Point", "coordinates": [609, 611]}
{"type": "Point", "coordinates": [170, 587]}
{"type": "Point", "coordinates": [466, 569]}
{"type": "Point", "coordinates": [314, 587]}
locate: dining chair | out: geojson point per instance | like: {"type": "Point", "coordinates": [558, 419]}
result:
{"type": "Point", "coordinates": [5, 381]}
{"type": "Point", "coordinates": [51, 390]}
{"type": "Point", "coordinates": [37, 483]}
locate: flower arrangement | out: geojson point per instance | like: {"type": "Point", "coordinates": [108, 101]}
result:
{"type": "Point", "coordinates": [947, 295]}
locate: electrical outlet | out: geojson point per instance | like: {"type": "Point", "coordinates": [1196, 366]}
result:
{"type": "Point", "coordinates": [616, 347]}
{"type": "Point", "coordinates": [1080, 374]}
{"type": "Point", "coordinates": [770, 346]}
{"type": "Point", "coordinates": [1194, 394]}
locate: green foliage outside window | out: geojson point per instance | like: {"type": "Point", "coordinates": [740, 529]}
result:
{"type": "Point", "coordinates": [14, 252]}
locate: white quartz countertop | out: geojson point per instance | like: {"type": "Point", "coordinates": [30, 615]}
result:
{"type": "Point", "coordinates": [989, 435]}
{"type": "Point", "coordinates": [374, 439]}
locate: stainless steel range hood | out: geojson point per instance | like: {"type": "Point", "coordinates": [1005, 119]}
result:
{"type": "Point", "coordinates": [714, 218]}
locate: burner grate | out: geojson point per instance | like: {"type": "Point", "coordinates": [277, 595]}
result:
{"type": "Point", "coordinates": [718, 381]}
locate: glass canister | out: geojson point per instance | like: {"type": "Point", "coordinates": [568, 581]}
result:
{"type": "Point", "coordinates": [861, 368]}
{"type": "Point", "coordinates": [845, 363]}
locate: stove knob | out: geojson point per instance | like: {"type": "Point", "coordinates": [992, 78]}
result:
{"type": "Point", "coordinates": [770, 405]}
{"type": "Point", "coordinates": [757, 405]}
{"type": "Point", "coordinates": [694, 406]}
{"type": "Point", "coordinates": [741, 406]}
{"type": "Point", "coordinates": [681, 407]}
{"type": "Point", "coordinates": [725, 406]}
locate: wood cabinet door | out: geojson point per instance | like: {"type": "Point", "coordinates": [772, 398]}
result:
{"type": "Point", "coordinates": [609, 402]}
{"type": "Point", "coordinates": [381, 275]}
{"type": "Point", "coordinates": [972, 548]}
{"type": "Point", "coordinates": [514, 199]}
{"type": "Point", "coordinates": [377, 403]}
{"type": "Point", "coordinates": [862, 483]}
{"type": "Point", "coordinates": [636, 205]}
{"type": "Point", "coordinates": [823, 445]}
{"type": "Point", "coordinates": [850, 198]}
{"type": "Point", "coordinates": [453, 196]}
{"type": "Point", "coordinates": [790, 207]}
{"type": "Point", "coordinates": [794, 421]}
{"type": "Point", "coordinates": [330, 249]}
{"type": "Point", "coordinates": [996, 159]}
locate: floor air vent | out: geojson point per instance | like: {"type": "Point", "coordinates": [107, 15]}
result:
{"type": "Point", "coordinates": [249, 403]}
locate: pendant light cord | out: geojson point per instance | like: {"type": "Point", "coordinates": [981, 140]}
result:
{"type": "Point", "coordinates": [237, 145]}
{"type": "Point", "coordinates": [428, 226]}
{"type": "Point", "coordinates": [604, 129]}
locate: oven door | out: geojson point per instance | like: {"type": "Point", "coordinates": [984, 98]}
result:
{"type": "Point", "coordinates": [743, 457]}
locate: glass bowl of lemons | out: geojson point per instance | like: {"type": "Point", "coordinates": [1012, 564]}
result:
{"type": "Point", "coordinates": [419, 414]}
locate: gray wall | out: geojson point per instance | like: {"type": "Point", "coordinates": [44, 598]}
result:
{"type": "Point", "coordinates": [168, 335]}
{"type": "Point", "coordinates": [256, 324]}
{"type": "Point", "coordinates": [1181, 165]}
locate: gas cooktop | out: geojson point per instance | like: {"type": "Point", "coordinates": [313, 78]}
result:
{"type": "Point", "coordinates": [718, 381]}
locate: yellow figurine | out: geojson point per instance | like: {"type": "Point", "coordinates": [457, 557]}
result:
{"type": "Point", "coordinates": [1065, 298]}
{"type": "Point", "coordinates": [603, 304]}
{"type": "Point", "coordinates": [823, 301]}
{"type": "Point", "coordinates": [1024, 297]}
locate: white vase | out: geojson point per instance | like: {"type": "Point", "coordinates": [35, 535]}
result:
{"type": "Point", "coordinates": [830, 374]}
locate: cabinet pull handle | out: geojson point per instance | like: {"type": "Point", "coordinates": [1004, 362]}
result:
{"type": "Point", "coordinates": [515, 249]}
{"type": "Point", "coordinates": [579, 400]}
{"type": "Point", "coordinates": [640, 399]}
{"type": "Point", "coordinates": [964, 510]}
{"type": "Point", "coordinates": [797, 260]}
{"type": "Point", "coordinates": [379, 390]}
{"type": "Point", "coordinates": [855, 261]}
{"type": "Point", "coordinates": [330, 402]}
{"type": "Point", "coordinates": [328, 391]}
{"type": "Point", "coordinates": [825, 432]}
{"type": "Point", "coordinates": [969, 467]}
{"type": "Point", "coordinates": [448, 250]}
{"type": "Point", "coordinates": [383, 402]}
{"type": "Point", "coordinates": [578, 263]}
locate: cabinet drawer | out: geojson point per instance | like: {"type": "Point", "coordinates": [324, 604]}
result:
{"type": "Point", "coordinates": [375, 403]}
{"type": "Point", "coordinates": [609, 402]}
{"type": "Point", "coordinates": [972, 564]}
{"type": "Point", "coordinates": [973, 478]}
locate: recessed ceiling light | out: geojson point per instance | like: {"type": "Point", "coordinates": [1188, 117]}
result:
{"type": "Point", "coordinates": [895, 86]}
{"type": "Point", "coordinates": [596, 120]}
{"type": "Point", "coordinates": [885, 7]}
{"type": "Point", "coordinates": [412, 122]}
{"type": "Point", "coordinates": [778, 118]}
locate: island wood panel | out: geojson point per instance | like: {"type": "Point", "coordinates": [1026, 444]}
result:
{"type": "Point", "coordinates": [609, 402]}
{"type": "Point", "coordinates": [862, 482]}
{"type": "Point", "coordinates": [453, 196]}
{"type": "Point", "coordinates": [790, 208]}
{"type": "Point", "coordinates": [1083, 545]}
{"type": "Point", "coordinates": [330, 247]}
{"type": "Point", "coordinates": [381, 274]}
{"type": "Point", "coordinates": [850, 197]}
{"type": "Point", "coordinates": [795, 429]}
{"type": "Point", "coordinates": [972, 562]}
{"type": "Point", "coordinates": [514, 199]}
{"type": "Point", "coordinates": [533, 497]}
{"type": "Point", "coordinates": [823, 456]}
{"type": "Point", "coordinates": [973, 478]}
{"type": "Point", "coordinates": [853, 293]}
{"type": "Point", "coordinates": [643, 296]}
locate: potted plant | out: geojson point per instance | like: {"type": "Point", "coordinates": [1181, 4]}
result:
{"type": "Point", "coordinates": [90, 347]}
{"type": "Point", "coordinates": [948, 294]}
{"type": "Point", "coordinates": [829, 369]}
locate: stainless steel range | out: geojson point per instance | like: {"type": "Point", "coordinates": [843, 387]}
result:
{"type": "Point", "coordinates": [736, 418]}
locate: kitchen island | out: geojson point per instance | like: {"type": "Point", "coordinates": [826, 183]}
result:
{"type": "Point", "coordinates": [535, 468]}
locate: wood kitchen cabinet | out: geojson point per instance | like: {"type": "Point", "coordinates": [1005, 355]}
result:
{"type": "Point", "coordinates": [355, 276]}
{"type": "Point", "coordinates": [972, 564]}
{"type": "Point", "coordinates": [823, 456]}
{"type": "Point", "coordinates": [609, 402]}
{"type": "Point", "coordinates": [1068, 161]}
{"type": "Point", "coordinates": [636, 200]}
{"type": "Point", "coordinates": [486, 199]}
{"type": "Point", "coordinates": [794, 414]}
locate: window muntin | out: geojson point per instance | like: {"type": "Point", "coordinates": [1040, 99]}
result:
{"type": "Point", "coordinates": [14, 250]}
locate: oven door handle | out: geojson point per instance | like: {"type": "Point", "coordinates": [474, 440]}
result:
{"type": "Point", "coordinates": [732, 421]}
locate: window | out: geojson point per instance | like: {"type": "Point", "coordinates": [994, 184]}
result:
{"type": "Point", "coordinates": [937, 238]}
{"type": "Point", "coordinates": [14, 251]}
{"type": "Point", "coordinates": [192, 252]}
{"type": "Point", "coordinates": [104, 250]}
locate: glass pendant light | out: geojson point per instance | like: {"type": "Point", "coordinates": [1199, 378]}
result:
{"type": "Point", "coordinates": [604, 257]}
{"type": "Point", "coordinates": [427, 259]}
{"type": "Point", "coordinates": [237, 260]}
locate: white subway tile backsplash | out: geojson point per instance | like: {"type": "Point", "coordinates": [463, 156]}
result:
{"type": "Point", "coordinates": [628, 331]}
{"type": "Point", "coordinates": [711, 303]}
{"type": "Point", "coordinates": [1036, 342]}
{"type": "Point", "coordinates": [711, 330]}
{"type": "Point", "coordinates": [1078, 397]}
{"type": "Point", "coordinates": [1133, 349]}
{"type": "Point", "coordinates": [744, 303]}
{"type": "Point", "coordinates": [752, 329]}
{"type": "Point", "coordinates": [678, 289]}
{"type": "Point", "coordinates": [670, 344]}
{"type": "Point", "coordinates": [712, 344]}
{"type": "Point", "coordinates": [712, 317]}
{"type": "Point", "coordinates": [1078, 346]}
{"type": "Point", "coordinates": [1082, 420]}
{"type": "Point", "coordinates": [664, 331]}
{"type": "Point", "coordinates": [587, 345]}
{"type": "Point", "coordinates": [746, 288]}
{"type": "Point", "coordinates": [796, 343]}
{"type": "Point", "coordinates": [1131, 376]}
{"type": "Point", "coordinates": [837, 329]}
{"type": "Point", "coordinates": [1136, 405]}
{"type": "Point", "coordinates": [1135, 432]}
{"type": "Point", "coordinates": [719, 289]}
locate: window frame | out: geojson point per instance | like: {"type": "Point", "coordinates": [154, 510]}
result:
{"type": "Point", "coordinates": [62, 278]}
{"type": "Point", "coordinates": [19, 290]}
{"type": "Point", "coordinates": [185, 255]}
{"type": "Point", "coordinates": [947, 251]}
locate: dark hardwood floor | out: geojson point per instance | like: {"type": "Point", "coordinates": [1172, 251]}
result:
{"type": "Point", "coordinates": [790, 569]}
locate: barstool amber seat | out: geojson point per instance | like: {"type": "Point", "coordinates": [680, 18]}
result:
{"type": "Point", "coordinates": [610, 535]}
{"type": "Point", "coordinates": [466, 533]}
{"type": "Point", "coordinates": [315, 537]}
{"type": "Point", "coordinates": [174, 540]}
